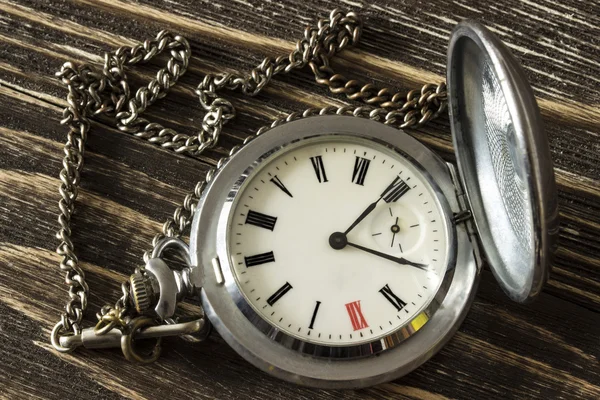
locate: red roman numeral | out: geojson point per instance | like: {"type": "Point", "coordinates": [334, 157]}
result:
{"type": "Point", "coordinates": [356, 318]}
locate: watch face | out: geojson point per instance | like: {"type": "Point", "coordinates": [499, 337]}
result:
{"type": "Point", "coordinates": [338, 241]}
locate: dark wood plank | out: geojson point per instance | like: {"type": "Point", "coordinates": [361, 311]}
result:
{"type": "Point", "coordinates": [549, 349]}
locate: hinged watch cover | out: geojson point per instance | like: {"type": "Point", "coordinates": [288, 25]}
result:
{"type": "Point", "coordinates": [503, 159]}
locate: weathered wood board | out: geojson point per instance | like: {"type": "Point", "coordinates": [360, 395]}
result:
{"type": "Point", "coordinates": [548, 349]}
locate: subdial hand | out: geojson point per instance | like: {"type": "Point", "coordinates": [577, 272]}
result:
{"type": "Point", "coordinates": [398, 260]}
{"type": "Point", "coordinates": [395, 229]}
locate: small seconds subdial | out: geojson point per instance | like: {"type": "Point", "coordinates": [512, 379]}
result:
{"type": "Point", "coordinates": [401, 227]}
{"type": "Point", "coordinates": [304, 242]}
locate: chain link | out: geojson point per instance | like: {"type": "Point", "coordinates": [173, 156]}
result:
{"type": "Point", "coordinates": [93, 93]}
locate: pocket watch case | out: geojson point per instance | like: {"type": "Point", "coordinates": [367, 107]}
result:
{"type": "Point", "coordinates": [504, 164]}
{"type": "Point", "coordinates": [503, 159]}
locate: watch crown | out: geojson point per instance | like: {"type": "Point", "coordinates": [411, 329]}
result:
{"type": "Point", "coordinates": [141, 292]}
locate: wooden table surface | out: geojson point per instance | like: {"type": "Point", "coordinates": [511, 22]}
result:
{"type": "Point", "coordinates": [548, 349]}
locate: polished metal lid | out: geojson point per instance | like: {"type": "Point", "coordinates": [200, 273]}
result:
{"type": "Point", "coordinates": [503, 159]}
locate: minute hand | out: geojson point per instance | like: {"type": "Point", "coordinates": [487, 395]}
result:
{"type": "Point", "coordinates": [398, 260]}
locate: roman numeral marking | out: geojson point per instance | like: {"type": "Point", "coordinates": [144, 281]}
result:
{"type": "Point", "coordinates": [259, 259]}
{"type": "Point", "coordinates": [261, 220]}
{"type": "Point", "coordinates": [395, 190]}
{"type": "Point", "coordinates": [314, 316]}
{"type": "Point", "coordinates": [356, 317]}
{"type": "Point", "coordinates": [280, 185]}
{"type": "Point", "coordinates": [317, 163]}
{"type": "Point", "coordinates": [361, 166]}
{"type": "Point", "coordinates": [392, 298]}
{"type": "Point", "coordinates": [279, 293]}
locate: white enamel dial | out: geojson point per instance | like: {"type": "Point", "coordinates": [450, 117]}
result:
{"type": "Point", "coordinates": [338, 241]}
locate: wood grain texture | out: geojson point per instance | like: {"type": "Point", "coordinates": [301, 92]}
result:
{"type": "Point", "coordinates": [549, 349]}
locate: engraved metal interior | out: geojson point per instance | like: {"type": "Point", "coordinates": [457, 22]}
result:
{"type": "Point", "coordinates": [497, 135]}
{"type": "Point", "coordinates": [507, 157]}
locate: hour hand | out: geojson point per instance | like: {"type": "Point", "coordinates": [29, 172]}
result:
{"type": "Point", "coordinates": [392, 193]}
{"type": "Point", "coordinates": [362, 216]}
{"type": "Point", "coordinates": [398, 260]}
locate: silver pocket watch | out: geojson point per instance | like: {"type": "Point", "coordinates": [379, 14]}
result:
{"type": "Point", "coordinates": [336, 251]}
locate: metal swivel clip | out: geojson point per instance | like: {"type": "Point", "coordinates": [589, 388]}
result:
{"type": "Point", "coordinates": [155, 292]}
{"type": "Point", "coordinates": [159, 286]}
